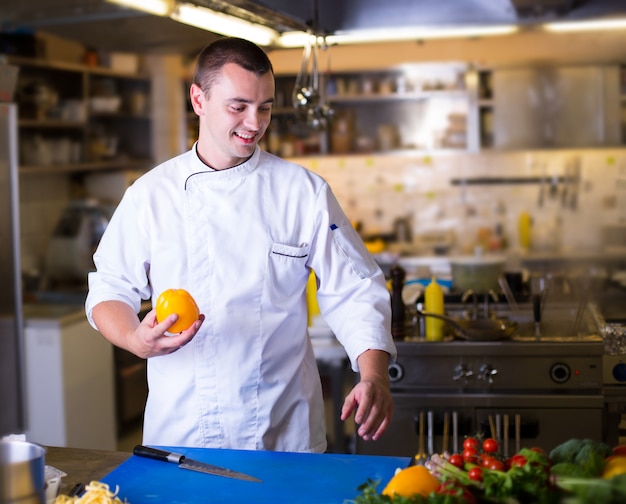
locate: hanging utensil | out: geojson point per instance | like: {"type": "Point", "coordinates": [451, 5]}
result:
{"type": "Point", "coordinates": [455, 432]}
{"type": "Point", "coordinates": [307, 98]}
{"type": "Point", "coordinates": [421, 457]}
{"type": "Point", "coordinates": [506, 436]}
{"type": "Point", "coordinates": [518, 432]}
{"type": "Point", "coordinates": [446, 432]}
{"type": "Point", "coordinates": [431, 433]}
{"type": "Point", "coordinates": [492, 427]}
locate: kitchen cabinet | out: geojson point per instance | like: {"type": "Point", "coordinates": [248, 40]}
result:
{"type": "Point", "coordinates": [413, 107]}
{"type": "Point", "coordinates": [458, 107]}
{"type": "Point", "coordinates": [78, 118]}
{"type": "Point", "coordinates": [550, 107]}
{"type": "Point", "coordinates": [69, 379]}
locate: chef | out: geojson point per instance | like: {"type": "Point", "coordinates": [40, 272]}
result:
{"type": "Point", "coordinates": [241, 229]}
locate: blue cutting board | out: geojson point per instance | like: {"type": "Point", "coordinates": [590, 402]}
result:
{"type": "Point", "coordinates": [289, 478]}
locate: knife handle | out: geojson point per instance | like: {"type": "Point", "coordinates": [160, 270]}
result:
{"type": "Point", "coordinates": [153, 453]}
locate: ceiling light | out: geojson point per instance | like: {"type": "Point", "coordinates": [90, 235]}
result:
{"type": "Point", "coordinates": [205, 19]}
{"type": "Point", "coordinates": [223, 24]}
{"type": "Point", "coordinates": [298, 39]}
{"type": "Point", "coordinates": [156, 7]}
{"type": "Point", "coordinates": [606, 24]}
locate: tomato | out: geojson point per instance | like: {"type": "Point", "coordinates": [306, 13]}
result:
{"type": "Point", "coordinates": [486, 459]}
{"type": "Point", "coordinates": [475, 474]}
{"type": "Point", "coordinates": [457, 460]}
{"type": "Point", "coordinates": [457, 490]}
{"type": "Point", "coordinates": [472, 443]}
{"type": "Point", "coordinates": [180, 302]}
{"type": "Point", "coordinates": [470, 455]}
{"type": "Point", "coordinates": [518, 461]}
{"type": "Point", "coordinates": [496, 465]}
{"type": "Point", "coordinates": [490, 445]}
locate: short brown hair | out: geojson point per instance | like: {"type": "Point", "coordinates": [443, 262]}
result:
{"type": "Point", "coordinates": [229, 50]}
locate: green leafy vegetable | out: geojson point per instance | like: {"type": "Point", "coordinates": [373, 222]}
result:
{"type": "Point", "coordinates": [595, 490]}
{"type": "Point", "coordinates": [579, 458]}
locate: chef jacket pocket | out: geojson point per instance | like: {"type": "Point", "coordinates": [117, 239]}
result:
{"type": "Point", "coordinates": [350, 243]}
{"type": "Point", "coordinates": [288, 268]}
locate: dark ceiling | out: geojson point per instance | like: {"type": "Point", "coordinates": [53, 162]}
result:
{"type": "Point", "coordinates": [98, 24]}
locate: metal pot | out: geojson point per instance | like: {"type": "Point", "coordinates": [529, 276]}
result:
{"type": "Point", "coordinates": [477, 273]}
{"type": "Point", "coordinates": [479, 329]}
{"type": "Point", "coordinates": [22, 473]}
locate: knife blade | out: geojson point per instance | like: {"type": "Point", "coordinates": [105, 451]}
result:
{"type": "Point", "coordinates": [186, 463]}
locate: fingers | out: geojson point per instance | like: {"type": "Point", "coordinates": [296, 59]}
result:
{"type": "Point", "coordinates": [154, 340]}
{"type": "Point", "coordinates": [374, 409]}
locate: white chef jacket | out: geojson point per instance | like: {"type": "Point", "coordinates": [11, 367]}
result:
{"type": "Point", "coordinates": [242, 242]}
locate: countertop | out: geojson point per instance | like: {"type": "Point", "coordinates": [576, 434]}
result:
{"type": "Point", "coordinates": [298, 478]}
{"type": "Point", "coordinates": [82, 465]}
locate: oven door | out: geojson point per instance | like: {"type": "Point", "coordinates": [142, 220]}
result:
{"type": "Point", "coordinates": [544, 421]}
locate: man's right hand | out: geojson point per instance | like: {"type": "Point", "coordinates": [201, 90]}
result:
{"type": "Point", "coordinates": [119, 324]}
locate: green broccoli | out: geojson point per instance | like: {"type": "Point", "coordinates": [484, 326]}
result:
{"type": "Point", "coordinates": [579, 458]}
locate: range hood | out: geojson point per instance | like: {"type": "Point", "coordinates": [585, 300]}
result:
{"type": "Point", "coordinates": [99, 24]}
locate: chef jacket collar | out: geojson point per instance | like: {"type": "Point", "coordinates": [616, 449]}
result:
{"type": "Point", "coordinates": [240, 170]}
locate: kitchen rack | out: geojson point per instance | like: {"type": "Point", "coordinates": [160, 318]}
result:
{"type": "Point", "coordinates": [76, 118]}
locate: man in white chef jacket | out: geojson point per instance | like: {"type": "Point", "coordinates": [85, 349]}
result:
{"type": "Point", "coordinates": [240, 229]}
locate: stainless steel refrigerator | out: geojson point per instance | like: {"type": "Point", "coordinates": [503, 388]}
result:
{"type": "Point", "coordinates": [12, 409]}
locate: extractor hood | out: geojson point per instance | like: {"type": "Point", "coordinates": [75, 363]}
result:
{"type": "Point", "coordinates": [99, 24]}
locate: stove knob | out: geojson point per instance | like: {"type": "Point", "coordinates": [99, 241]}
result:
{"type": "Point", "coordinates": [395, 372]}
{"type": "Point", "coordinates": [486, 373]}
{"type": "Point", "coordinates": [462, 372]}
{"type": "Point", "coordinates": [560, 373]}
{"type": "Point", "coordinates": [619, 372]}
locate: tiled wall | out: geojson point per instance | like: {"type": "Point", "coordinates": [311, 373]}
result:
{"type": "Point", "coordinates": [375, 190]}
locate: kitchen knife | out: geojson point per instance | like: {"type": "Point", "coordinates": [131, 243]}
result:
{"type": "Point", "coordinates": [185, 463]}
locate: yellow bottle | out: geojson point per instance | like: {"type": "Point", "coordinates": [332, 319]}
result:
{"type": "Point", "coordinates": [311, 299]}
{"type": "Point", "coordinates": [433, 303]}
{"type": "Point", "coordinates": [524, 225]}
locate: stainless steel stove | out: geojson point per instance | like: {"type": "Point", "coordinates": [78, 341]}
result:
{"type": "Point", "coordinates": [531, 392]}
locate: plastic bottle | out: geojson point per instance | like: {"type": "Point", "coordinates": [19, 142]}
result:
{"type": "Point", "coordinates": [433, 303]}
{"type": "Point", "coordinates": [311, 299]}
{"type": "Point", "coordinates": [524, 225]}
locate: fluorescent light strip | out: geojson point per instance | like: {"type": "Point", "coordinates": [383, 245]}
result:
{"type": "Point", "coordinates": [156, 7]}
{"type": "Point", "coordinates": [205, 19]}
{"type": "Point", "coordinates": [606, 24]}
{"type": "Point", "coordinates": [223, 24]}
{"type": "Point", "coordinates": [298, 39]}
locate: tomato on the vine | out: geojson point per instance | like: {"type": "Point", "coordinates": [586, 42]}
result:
{"type": "Point", "coordinates": [486, 459]}
{"type": "Point", "coordinates": [496, 465]}
{"type": "Point", "coordinates": [475, 474]}
{"type": "Point", "coordinates": [490, 445]}
{"type": "Point", "coordinates": [457, 460]}
{"type": "Point", "coordinates": [518, 461]}
{"type": "Point", "coordinates": [456, 490]}
{"type": "Point", "coordinates": [472, 443]}
{"type": "Point", "coordinates": [470, 455]}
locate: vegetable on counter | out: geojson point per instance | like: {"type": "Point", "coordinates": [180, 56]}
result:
{"type": "Point", "coordinates": [579, 458]}
{"type": "Point", "coordinates": [579, 471]}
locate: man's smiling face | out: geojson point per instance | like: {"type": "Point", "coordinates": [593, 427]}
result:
{"type": "Point", "coordinates": [234, 115]}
